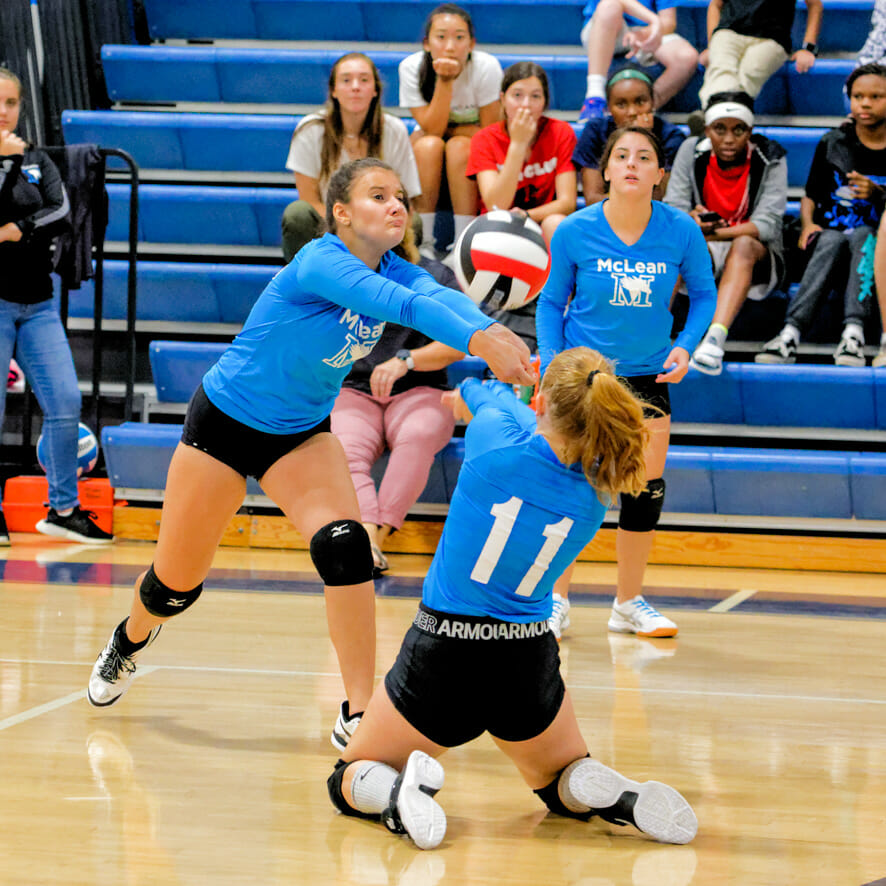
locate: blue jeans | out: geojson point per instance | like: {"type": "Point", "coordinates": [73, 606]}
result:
{"type": "Point", "coordinates": [34, 333]}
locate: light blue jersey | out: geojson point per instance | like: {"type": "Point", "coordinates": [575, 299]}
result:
{"type": "Point", "coordinates": [321, 313]}
{"type": "Point", "coordinates": [517, 519]}
{"type": "Point", "coordinates": [623, 293]}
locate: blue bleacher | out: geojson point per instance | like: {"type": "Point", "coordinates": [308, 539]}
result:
{"type": "Point", "coordinates": [743, 482]}
{"type": "Point", "coordinates": [260, 142]}
{"type": "Point", "coordinates": [201, 214]}
{"type": "Point", "coordinates": [300, 76]}
{"type": "Point", "coordinates": [137, 455]}
{"type": "Point", "coordinates": [868, 485]}
{"type": "Point", "coordinates": [177, 292]}
{"type": "Point", "coordinates": [399, 21]}
{"type": "Point", "coordinates": [240, 142]}
{"type": "Point", "coordinates": [209, 214]}
{"type": "Point", "coordinates": [802, 396]}
{"type": "Point", "coordinates": [550, 22]}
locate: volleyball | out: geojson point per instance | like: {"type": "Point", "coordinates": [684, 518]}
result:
{"type": "Point", "coordinates": [501, 260]}
{"type": "Point", "coordinates": [87, 451]}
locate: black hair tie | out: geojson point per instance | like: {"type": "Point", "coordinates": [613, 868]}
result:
{"type": "Point", "coordinates": [591, 375]}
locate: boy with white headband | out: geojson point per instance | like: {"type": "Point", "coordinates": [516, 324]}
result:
{"type": "Point", "coordinates": [734, 183]}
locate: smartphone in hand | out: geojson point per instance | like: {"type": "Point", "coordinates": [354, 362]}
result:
{"type": "Point", "coordinates": [708, 217]}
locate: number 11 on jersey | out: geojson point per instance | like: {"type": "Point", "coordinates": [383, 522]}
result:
{"type": "Point", "coordinates": [506, 514]}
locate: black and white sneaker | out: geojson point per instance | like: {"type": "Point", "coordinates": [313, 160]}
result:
{"type": "Point", "coordinates": [654, 808]}
{"type": "Point", "coordinates": [344, 727]}
{"type": "Point", "coordinates": [412, 809]}
{"type": "Point", "coordinates": [850, 352]}
{"type": "Point", "coordinates": [79, 525]}
{"type": "Point", "coordinates": [113, 671]}
{"type": "Point", "coordinates": [778, 350]}
{"type": "Point", "coordinates": [4, 532]}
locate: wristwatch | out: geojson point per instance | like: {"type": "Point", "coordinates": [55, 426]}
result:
{"type": "Point", "coordinates": [406, 357]}
{"type": "Point", "coordinates": [811, 47]}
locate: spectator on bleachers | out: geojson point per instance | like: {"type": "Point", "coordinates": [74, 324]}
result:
{"type": "Point", "coordinates": [734, 183]}
{"type": "Point", "coordinates": [748, 41]}
{"type": "Point", "coordinates": [452, 90]}
{"type": "Point", "coordinates": [525, 159]}
{"type": "Point", "coordinates": [524, 162]}
{"type": "Point", "coordinates": [874, 49]}
{"type": "Point", "coordinates": [615, 265]}
{"type": "Point", "coordinates": [629, 100]}
{"type": "Point", "coordinates": [34, 209]}
{"type": "Point", "coordinates": [644, 30]}
{"type": "Point", "coordinates": [839, 213]}
{"type": "Point", "coordinates": [390, 401]}
{"type": "Point", "coordinates": [351, 126]}
{"type": "Point", "coordinates": [879, 361]}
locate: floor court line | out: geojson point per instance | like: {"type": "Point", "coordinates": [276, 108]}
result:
{"type": "Point", "coordinates": [57, 703]}
{"type": "Point", "coordinates": [573, 685]}
{"type": "Point", "coordinates": [732, 601]}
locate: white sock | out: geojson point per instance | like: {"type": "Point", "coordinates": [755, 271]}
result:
{"type": "Point", "coordinates": [717, 334]}
{"type": "Point", "coordinates": [596, 86]}
{"type": "Point", "coordinates": [461, 222]}
{"type": "Point", "coordinates": [883, 340]}
{"type": "Point", "coordinates": [856, 330]}
{"type": "Point", "coordinates": [427, 228]}
{"type": "Point", "coordinates": [371, 787]}
{"type": "Point", "coordinates": [790, 333]}
{"type": "Point", "coordinates": [66, 512]}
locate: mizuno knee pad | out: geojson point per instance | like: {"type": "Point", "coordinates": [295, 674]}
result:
{"type": "Point", "coordinates": [640, 513]}
{"type": "Point", "coordinates": [162, 601]}
{"type": "Point", "coordinates": [342, 553]}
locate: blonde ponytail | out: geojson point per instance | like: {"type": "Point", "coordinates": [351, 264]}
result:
{"type": "Point", "coordinates": [599, 419]}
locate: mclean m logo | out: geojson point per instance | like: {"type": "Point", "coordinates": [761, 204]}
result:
{"type": "Point", "coordinates": [634, 292]}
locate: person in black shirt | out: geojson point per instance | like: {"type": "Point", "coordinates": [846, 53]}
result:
{"type": "Point", "coordinates": [840, 213]}
{"type": "Point", "coordinates": [34, 209]}
{"type": "Point", "coordinates": [749, 40]}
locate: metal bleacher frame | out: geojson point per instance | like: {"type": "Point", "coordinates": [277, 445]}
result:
{"type": "Point", "coordinates": [95, 386]}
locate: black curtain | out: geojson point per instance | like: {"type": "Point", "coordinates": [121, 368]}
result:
{"type": "Point", "coordinates": [71, 34]}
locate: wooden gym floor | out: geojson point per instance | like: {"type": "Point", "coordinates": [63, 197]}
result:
{"type": "Point", "coordinates": [768, 712]}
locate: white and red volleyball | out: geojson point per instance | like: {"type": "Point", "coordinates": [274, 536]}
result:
{"type": "Point", "coordinates": [501, 260]}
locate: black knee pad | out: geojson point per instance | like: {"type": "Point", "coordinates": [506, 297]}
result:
{"type": "Point", "coordinates": [162, 601]}
{"type": "Point", "coordinates": [342, 553]}
{"type": "Point", "coordinates": [333, 785]}
{"type": "Point", "coordinates": [550, 796]}
{"type": "Point", "coordinates": [640, 513]}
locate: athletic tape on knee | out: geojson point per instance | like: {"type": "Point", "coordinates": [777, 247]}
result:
{"type": "Point", "coordinates": [162, 601]}
{"type": "Point", "coordinates": [342, 553]}
{"type": "Point", "coordinates": [641, 513]}
{"type": "Point", "coordinates": [550, 795]}
{"type": "Point", "coordinates": [333, 786]}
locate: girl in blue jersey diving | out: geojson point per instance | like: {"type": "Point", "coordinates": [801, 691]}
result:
{"type": "Point", "coordinates": [480, 655]}
{"type": "Point", "coordinates": [614, 266]}
{"type": "Point", "coordinates": [263, 411]}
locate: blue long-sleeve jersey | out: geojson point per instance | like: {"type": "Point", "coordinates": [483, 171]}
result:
{"type": "Point", "coordinates": [621, 306]}
{"type": "Point", "coordinates": [517, 519]}
{"type": "Point", "coordinates": [320, 314]}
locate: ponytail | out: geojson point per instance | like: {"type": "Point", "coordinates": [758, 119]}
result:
{"type": "Point", "coordinates": [600, 421]}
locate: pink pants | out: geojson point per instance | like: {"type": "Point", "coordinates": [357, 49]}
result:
{"type": "Point", "coordinates": [413, 425]}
